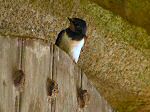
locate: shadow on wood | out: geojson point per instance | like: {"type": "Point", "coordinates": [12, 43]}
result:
{"type": "Point", "coordinates": [39, 61]}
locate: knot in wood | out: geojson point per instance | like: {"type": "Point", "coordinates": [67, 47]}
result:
{"type": "Point", "coordinates": [52, 88]}
{"type": "Point", "coordinates": [83, 98]}
{"type": "Point", "coordinates": [19, 80]}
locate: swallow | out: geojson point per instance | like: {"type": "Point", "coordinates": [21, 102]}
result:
{"type": "Point", "coordinates": [72, 39]}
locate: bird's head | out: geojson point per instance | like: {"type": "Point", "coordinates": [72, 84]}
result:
{"type": "Point", "coordinates": [78, 25]}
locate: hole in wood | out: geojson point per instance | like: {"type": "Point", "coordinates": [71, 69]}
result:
{"type": "Point", "coordinates": [4, 83]}
{"type": "Point", "coordinates": [83, 98]}
{"type": "Point", "coordinates": [19, 79]}
{"type": "Point", "coordinates": [52, 88]}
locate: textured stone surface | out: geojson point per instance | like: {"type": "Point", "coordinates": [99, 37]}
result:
{"type": "Point", "coordinates": [116, 57]}
{"type": "Point", "coordinates": [135, 11]}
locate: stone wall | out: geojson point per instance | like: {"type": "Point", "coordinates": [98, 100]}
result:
{"type": "Point", "coordinates": [116, 57]}
{"type": "Point", "coordinates": [135, 11]}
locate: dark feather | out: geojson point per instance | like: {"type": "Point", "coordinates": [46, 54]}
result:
{"type": "Point", "coordinates": [74, 35]}
{"type": "Point", "coordinates": [60, 35]}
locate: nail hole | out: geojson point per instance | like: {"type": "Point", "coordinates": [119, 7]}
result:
{"type": "Point", "coordinates": [52, 88]}
{"type": "Point", "coordinates": [4, 83]}
{"type": "Point", "coordinates": [19, 79]}
{"type": "Point", "coordinates": [83, 98]}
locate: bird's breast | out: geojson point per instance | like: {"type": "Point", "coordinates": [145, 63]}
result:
{"type": "Point", "coordinates": [76, 49]}
{"type": "Point", "coordinates": [72, 47]}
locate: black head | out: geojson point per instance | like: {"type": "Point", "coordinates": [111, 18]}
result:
{"type": "Point", "coordinates": [78, 25]}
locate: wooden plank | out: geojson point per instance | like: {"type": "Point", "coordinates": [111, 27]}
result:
{"type": "Point", "coordinates": [68, 78]}
{"type": "Point", "coordinates": [37, 59]}
{"type": "Point", "coordinates": [97, 102]}
{"type": "Point", "coordinates": [8, 65]}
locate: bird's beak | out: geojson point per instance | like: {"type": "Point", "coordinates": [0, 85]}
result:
{"type": "Point", "coordinates": [70, 19]}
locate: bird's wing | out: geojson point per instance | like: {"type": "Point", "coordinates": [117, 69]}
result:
{"type": "Point", "coordinates": [60, 35]}
{"type": "Point", "coordinates": [85, 41]}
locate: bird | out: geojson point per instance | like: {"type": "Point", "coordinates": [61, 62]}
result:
{"type": "Point", "coordinates": [72, 39]}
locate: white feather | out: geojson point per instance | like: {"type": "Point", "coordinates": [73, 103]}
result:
{"type": "Point", "coordinates": [76, 49]}
{"type": "Point", "coordinates": [72, 47]}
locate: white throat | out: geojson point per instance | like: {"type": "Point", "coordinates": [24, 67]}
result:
{"type": "Point", "coordinates": [76, 49]}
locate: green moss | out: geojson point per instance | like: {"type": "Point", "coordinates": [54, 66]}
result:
{"type": "Point", "coordinates": [120, 29]}
{"type": "Point", "coordinates": [135, 11]}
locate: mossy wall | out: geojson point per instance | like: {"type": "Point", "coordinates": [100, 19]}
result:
{"type": "Point", "coordinates": [116, 57]}
{"type": "Point", "coordinates": [135, 11]}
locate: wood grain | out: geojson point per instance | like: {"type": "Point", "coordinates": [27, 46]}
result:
{"type": "Point", "coordinates": [39, 62]}
{"type": "Point", "coordinates": [65, 76]}
{"type": "Point", "coordinates": [8, 65]}
{"type": "Point", "coordinates": [36, 66]}
{"type": "Point", "coordinates": [97, 102]}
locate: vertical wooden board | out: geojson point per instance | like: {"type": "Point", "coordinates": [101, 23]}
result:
{"type": "Point", "coordinates": [37, 59]}
{"type": "Point", "coordinates": [65, 75]}
{"type": "Point", "coordinates": [97, 102]}
{"type": "Point", "coordinates": [8, 64]}
{"type": "Point", "coordinates": [77, 76]}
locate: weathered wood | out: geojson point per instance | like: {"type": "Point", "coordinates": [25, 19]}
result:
{"type": "Point", "coordinates": [97, 102]}
{"type": "Point", "coordinates": [8, 65]}
{"type": "Point", "coordinates": [65, 76]}
{"type": "Point", "coordinates": [36, 66]}
{"type": "Point", "coordinates": [40, 61]}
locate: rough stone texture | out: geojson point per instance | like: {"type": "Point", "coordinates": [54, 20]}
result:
{"type": "Point", "coordinates": [116, 57]}
{"type": "Point", "coordinates": [135, 11]}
